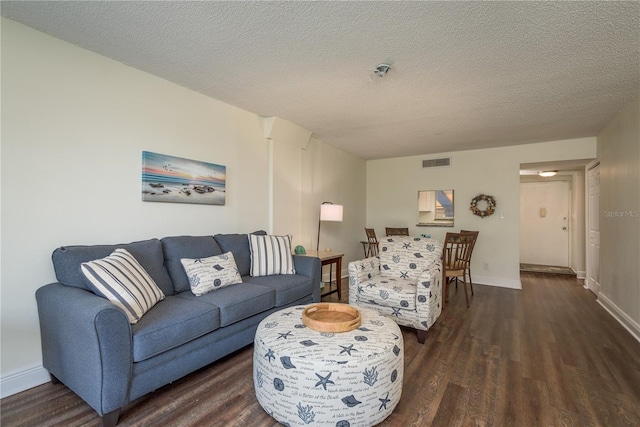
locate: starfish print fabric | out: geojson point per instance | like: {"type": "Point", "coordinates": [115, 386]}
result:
{"type": "Point", "coordinates": [305, 377]}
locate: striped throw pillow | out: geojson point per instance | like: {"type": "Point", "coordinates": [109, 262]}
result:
{"type": "Point", "coordinates": [123, 281]}
{"type": "Point", "coordinates": [270, 255]}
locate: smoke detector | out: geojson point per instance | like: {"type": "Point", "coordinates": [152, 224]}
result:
{"type": "Point", "coordinates": [382, 70]}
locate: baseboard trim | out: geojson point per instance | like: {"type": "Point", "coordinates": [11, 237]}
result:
{"type": "Point", "coordinates": [24, 379]}
{"type": "Point", "coordinates": [623, 318]}
{"type": "Point", "coordinates": [496, 281]}
{"type": "Point", "coordinates": [581, 274]}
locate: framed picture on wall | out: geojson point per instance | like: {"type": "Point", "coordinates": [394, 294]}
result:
{"type": "Point", "coordinates": [174, 179]}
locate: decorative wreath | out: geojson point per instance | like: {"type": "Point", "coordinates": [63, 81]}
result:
{"type": "Point", "coordinates": [489, 210]}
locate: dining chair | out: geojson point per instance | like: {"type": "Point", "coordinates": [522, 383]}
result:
{"type": "Point", "coordinates": [473, 245]}
{"type": "Point", "coordinates": [372, 247]}
{"type": "Point", "coordinates": [395, 231]}
{"type": "Point", "coordinates": [456, 253]}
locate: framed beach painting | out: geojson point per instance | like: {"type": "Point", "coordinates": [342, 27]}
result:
{"type": "Point", "coordinates": [177, 180]}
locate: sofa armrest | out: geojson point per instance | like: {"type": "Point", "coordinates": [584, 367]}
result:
{"type": "Point", "coordinates": [311, 267]}
{"type": "Point", "coordinates": [429, 294]}
{"type": "Point", "coordinates": [86, 344]}
{"type": "Point", "coordinates": [359, 271]}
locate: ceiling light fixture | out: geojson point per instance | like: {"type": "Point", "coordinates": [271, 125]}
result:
{"type": "Point", "coordinates": [382, 70]}
{"type": "Point", "coordinates": [547, 174]}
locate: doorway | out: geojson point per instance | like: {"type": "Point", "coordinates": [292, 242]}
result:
{"type": "Point", "coordinates": [544, 223]}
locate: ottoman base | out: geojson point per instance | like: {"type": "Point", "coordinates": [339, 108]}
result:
{"type": "Point", "coordinates": [303, 377]}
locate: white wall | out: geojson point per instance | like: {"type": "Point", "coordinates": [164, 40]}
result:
{"type": "Point", "coordinates": [619, 155]}
{"type": "Point", "coordinates": [74, 125]}
{"type": "Point", "coordinates": [392, 186]}
{"type": "Point", "coordinates": [308, 172]}
{"type": "Point", "coordinates": [339, 178]}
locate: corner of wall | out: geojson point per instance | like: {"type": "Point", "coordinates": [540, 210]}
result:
{"type": "Point", "coordinates": [498, 282]}
{"type": "Point", "coordinates": [281, 130]}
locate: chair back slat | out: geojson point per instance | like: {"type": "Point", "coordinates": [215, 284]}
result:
{"type": "Point", "coordinates": [456, 260]}
{"type": "Point", "coordinates": [372, 247]}
{"type": "Point", "coordinates": [475, 238]}
{"type": "Point", "coordinates": [397, 231]}
{"type": "Point", "coordinates": [457, 250]}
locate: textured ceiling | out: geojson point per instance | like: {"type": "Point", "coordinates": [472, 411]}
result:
{"type": "Point", "coordinates": [464, 74]}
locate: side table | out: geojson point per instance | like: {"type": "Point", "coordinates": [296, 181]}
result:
{"type": "Point", "coordinates": [330, 258]}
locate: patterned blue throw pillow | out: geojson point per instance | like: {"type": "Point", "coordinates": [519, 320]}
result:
{"type": "Point", "coordinates": [208, 274]}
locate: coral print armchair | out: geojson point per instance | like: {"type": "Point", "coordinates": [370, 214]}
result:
{"type": "Point", "coordinates": [404, 282]}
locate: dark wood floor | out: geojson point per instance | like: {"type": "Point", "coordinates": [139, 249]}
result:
{"type": "Point", "coordinates": [546, 355]}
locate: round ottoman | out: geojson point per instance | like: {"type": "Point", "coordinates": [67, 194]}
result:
{"type": "Point", "coordinates": [304, 377]}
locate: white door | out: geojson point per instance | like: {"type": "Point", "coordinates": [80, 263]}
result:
{"type": "Point", "coordinates": [544, 223]}
{"type": "Point", "coordinates": [593, 245]}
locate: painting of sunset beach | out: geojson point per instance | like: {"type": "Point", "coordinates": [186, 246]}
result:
{"type": "Point", "coordinates": [177, 180]}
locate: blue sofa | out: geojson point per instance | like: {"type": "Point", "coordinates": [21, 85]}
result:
{"type": "Point", "coordinates": [89, 345]}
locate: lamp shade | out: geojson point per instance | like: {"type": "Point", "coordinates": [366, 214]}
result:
{"type": "Point", "coordinates": [330, 212]}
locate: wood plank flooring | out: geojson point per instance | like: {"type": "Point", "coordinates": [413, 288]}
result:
{"type": "Point", "coordinates": [548, 355]}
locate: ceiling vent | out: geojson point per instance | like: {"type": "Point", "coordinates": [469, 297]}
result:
{"type": "Point", "coordinates": [434, 163]}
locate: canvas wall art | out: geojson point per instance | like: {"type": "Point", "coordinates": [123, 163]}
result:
{"type": "Point", "coordinates": [177, 180]}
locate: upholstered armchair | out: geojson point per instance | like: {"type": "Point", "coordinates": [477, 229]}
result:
{"type": "Point", "coordinates": [403, 282]}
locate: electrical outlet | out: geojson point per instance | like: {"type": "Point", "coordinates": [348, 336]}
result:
{"type": "Point", "coordinates": [485, 265]}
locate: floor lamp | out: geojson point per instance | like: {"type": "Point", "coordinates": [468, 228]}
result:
{"type": "Point", "coordinates": [328, 212]}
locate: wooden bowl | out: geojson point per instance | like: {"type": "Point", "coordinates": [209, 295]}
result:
{"type": "Point", "coordinates": [331, 317]}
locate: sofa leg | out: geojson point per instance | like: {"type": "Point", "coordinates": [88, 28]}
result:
{"type": "Point", "coordinates": [111, 419]}
{"type": "Point", "coordinates": [54, 380]}
{"type": "Point", "coordinates": [422, 335]}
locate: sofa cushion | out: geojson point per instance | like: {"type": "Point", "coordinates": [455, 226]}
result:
{"type": "Point", "coordinates": [67, 261]}
{"type": "Point", "coordinates": [271, 255]}
{"type": "Point", "coordinates": [407, 257]}
{"type": "Point", "coordinates": [178, 247]}
{"type": "Point", "coordinates": [287, 287]}
{"type": "Point", "coordinates": [237, 302]}
{"type": "Point", "coordinates": [239, 245]}
{"type": "Point", "coordinates": [122, 280]}
{"type": "Point", "coordinates": [388, 292]}
{"type": "Point", "coordinates": [208, 274]}
{"type": "Point", "coordinates": [171, 323]}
